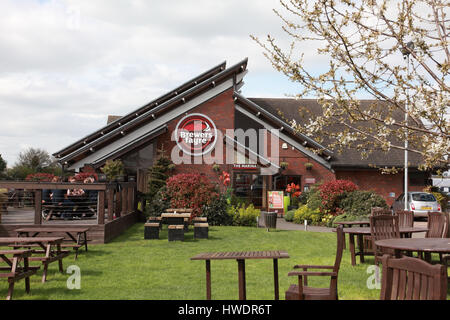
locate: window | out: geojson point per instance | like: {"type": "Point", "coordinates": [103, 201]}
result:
{"type": "Point", "coordinates": [281, 182]}
{"type": "Point", "coordinates": [142, 158]}
{"type": "Point", "coordinates": [248, 187]}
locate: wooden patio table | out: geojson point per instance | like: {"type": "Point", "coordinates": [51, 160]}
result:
{"type": "Point", "coordinates": [80, 240]}
{"type": "Point", "coordinates": [46, 243]}
{"type": "Point", "coordinates": [175, 218]}
{"type": "Point", "coordinates": [240, 258]}
{"type": "Point", "coordinates": [360, 232]}
{"type": "Point", "coordinates": [426, 245]}
{"type": "Point", "coordinates": [349, 224]}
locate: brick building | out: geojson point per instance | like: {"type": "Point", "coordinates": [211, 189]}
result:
{"type": "Point", "coordinates": [201, 122]}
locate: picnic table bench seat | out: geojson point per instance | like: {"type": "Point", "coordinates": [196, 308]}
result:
{"type": "Point", "coordinates": [176, 232]}
{"type": "Point", "coordinates": [201, 230]}
{"type": "Point", "coordinates": [151, 230]}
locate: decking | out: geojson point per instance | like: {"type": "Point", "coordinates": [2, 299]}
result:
{"type": "Point", "coordinates": [117, 199]}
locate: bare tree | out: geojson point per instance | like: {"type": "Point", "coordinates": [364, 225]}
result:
{"type": "Point", "coordinates": [392, 51]}
{"type": "Point", "coordinates": [35, 159]}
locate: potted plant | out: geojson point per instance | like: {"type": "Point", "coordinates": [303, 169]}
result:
{"type": "Point", "coordinates": [216, 167]}
{"type": "Point", "coordinates": [309, 165]}
{"type": "Point", "coordinates": [284, 165]}
{"type": "Point", "coordinates": [293, 191]}
{"type": "Point", "coordinates": [114, 170]}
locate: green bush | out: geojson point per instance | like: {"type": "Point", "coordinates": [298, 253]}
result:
{"type": "Point", "coordinates": [314, 200]}
{"type": "Point", "coordinates": [244, 216]}
{"type": "Point", "coordinates": [313, 216]}
{"type": "Point", "coordinates": [289, 216]}
{"type": "Point", "coordinates": [359, 203]}
{"type": "Point", "coordinates": [158, 204]}
{"type": "Point", "coordinates": [216, 212]}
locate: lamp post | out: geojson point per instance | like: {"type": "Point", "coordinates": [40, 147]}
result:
{"type": "Point", "coordinates": [406, 52]}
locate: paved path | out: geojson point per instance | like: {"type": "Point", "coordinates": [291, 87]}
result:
{"type": "Point", "coordinates": [285, 225]}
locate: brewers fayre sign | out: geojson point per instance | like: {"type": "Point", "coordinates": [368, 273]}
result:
{"type": "Point", "coordinates": [196, 134]}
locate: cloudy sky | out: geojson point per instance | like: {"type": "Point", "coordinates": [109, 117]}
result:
{"type": "Point", "coordinates": [66, 64]}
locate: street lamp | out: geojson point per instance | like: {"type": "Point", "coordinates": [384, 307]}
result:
{"type": "Point", "coordinates": [406, 52]}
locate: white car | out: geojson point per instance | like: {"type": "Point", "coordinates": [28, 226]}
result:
{"type": "Point", "coordinates": [418, 202]}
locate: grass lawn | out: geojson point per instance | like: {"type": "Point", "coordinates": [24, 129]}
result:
{"type": "Point", "coordinates": [133, 268]}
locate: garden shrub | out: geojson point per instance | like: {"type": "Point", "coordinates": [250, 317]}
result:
{"type": "Point", "coordinates": [244, 215]}
{"type": "Point", "coordinates": [40, 176]}
{"type": "Point", "coordinates": [313, 216]}
{"type": "Point", "coordinates": [158, 204]}
{"type": "Point", "coordinates": [216, 212]}
{"type": "Point", "coordinates": [359, 203]}
{"type": "Point", "coordinates": [441, 197]}
{"type": "Point", "coordinates": [190, 190]}
{"type": "Point", "coordinates": [289, 216]}
{"type": "Point", "coordinates": [331, 193]}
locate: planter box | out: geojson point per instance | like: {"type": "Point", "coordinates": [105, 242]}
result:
{"type": "Point", "coordinates": [201, 231]}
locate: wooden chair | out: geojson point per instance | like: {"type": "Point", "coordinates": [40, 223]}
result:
{"type": "Point", "coordinates": [374, 211]}
{"type": "Point", "coordinates": [383, 227]}
{"type": "Point", "coordinates": [303, 292]}
{"type": "Point", "coordinates": [437, 225]}
{"type": "Point", "coordinates": [437, 228]}
{"type": "Point", "coordinates": [405, 219]}
{"type": "Point", "coordinates": [412, 279]}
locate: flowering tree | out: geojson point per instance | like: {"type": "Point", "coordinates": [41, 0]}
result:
{"type": "Point", "coordinates": [395, 52]}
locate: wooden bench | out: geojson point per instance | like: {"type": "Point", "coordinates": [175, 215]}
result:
{"type": "Point", "coordinates": [201, 230]}
{"type": "Point", "coordinates": [200, 220]}
{"type": "Point", "coordinates": [151, 230]}
{"type": "Point", "coordinates": [176, 232]}
{"type": "Point", "coordinates": [155, 220]}
{"type": "Point", "coordinates": [13, 272]}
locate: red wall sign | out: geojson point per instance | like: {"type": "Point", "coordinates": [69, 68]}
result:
{"type": "Point", "coordinates": [196, 134]}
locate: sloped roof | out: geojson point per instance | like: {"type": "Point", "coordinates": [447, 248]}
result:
{"type": "Point", "coordinates": [139, 119]}
{"type": "Point", "coordinates": [303, 109]}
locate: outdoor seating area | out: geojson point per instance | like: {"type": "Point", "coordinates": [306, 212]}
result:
{"type": "Point", "coordinates": [236, 267]}
{"type": "Point", "coordinates": [37, 244]}
{"type": "Point", "coordinates": [178, 221]}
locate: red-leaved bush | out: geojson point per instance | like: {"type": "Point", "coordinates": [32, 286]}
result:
{"type": "Point", "coordinates": [331, 191]}
{"type": "Point", "coordinates": [46, 177]}
{"type": "Point", "coordinates": [83, 175]}
{"type": "Point", "coordinates": [190, 190]}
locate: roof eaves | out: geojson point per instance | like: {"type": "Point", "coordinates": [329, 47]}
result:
{"type": "Point", "coordinates": [239, 67]}
{"type": "Point", "coordinates": [282, 124]}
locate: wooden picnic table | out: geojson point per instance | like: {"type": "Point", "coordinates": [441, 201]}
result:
{"type": "Point", "coordinates": [78, 235]}
{"type": "Point", "coordinates": [175, 218]}
{"type": "Point", "coordinates": [360, 232]}
{"type": "Point", "coordinates": [240, 257]}
{"type": "Point", "coordinates": [47, 244]}
{"type": "Point", "coordinates": [426, 245]}
{"type": "Point", "coordinates": [14, 271]}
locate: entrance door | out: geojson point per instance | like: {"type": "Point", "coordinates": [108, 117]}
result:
{"type": "Point", "coordinates": [248, 187]}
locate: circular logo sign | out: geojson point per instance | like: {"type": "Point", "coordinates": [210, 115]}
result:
{"type": "Point", "coordinates": [196, 134]}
